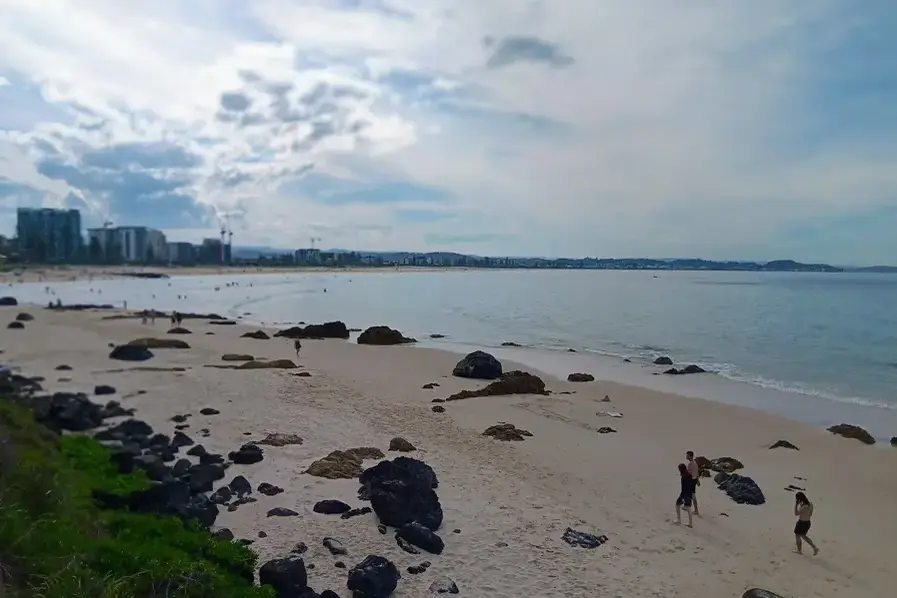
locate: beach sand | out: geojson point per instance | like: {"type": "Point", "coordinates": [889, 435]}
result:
{"type": "Point", "coordinates": [511, 501]}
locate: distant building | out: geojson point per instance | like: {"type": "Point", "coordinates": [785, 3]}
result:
{"type": "Point", "coordinates": [307, 256]}
{"type": "Point", "coordinates": [132, 244]}
{"type": "Point", "coordinates": [49, 235]}
{"type": "Point", "coordinates": [210, 251]}
{"type": "Point", "coordinates": [183, 254]}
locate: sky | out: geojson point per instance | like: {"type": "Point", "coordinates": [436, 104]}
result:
{"type": "Point", "coordinates": [759, 129]}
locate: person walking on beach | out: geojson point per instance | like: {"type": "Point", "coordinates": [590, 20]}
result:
{"type": "Point", "coordinates": [803, 510]}
{"type": "Point", "coordinates": [686, 494]}
{"type": "Point", "coordinates": [297, 345]}
{"type": "Point", "coordinates": [695, 473]}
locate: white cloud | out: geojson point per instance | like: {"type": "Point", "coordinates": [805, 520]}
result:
{"type": "Point", "coordinates": [608, 128]}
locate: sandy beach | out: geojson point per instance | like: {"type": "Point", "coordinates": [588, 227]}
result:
{"type": "Point", "coordinates": [510, 501]}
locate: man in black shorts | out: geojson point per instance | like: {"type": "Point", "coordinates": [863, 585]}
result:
{"type": "Point", "coordinates": [695, 472]}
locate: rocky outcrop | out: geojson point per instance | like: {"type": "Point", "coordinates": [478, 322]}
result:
{"type": "Point", "coordinates": [784, 444]}
{"type": "Point", "coordinates": [159, 343]}
{"type": "Point", "coordinates": [663, 361]}
{"type": "Point", "coordinates": [383, 335]}
{"type": "Point", "coordinates": [741, 489]}
{"type": "Point", "coordinates": [331, 507]}
{"type": "Point", "coordinates": [24, 317]}
{"type": "Point", "coordinates": [274, 364]}
{"type": "Point", "coordinates": [335, 329]}
{"type": "Point", "coordinates": [237, 357]}
{"type": "Point", "coordinates": [130, 353]}
{"type": "Point", "coordinates": [478, 365]}
{"type": "Point", "coordinates": [345, 465]}
{"type": "Point", "coordinates": [278, 439]}
{"type": "Point", "coordinates": [580, 377]}
{"type": "Point", "coordinates": [374, 577]}
{"type": "Point", "coordinates": [401, 445]}
{"type": "Point", "coordinates": [510, 383]}
{"type": "Point", "coordinates": [851, 431]}
{"type": "Point", "coordinates": [401, 491]}
{"type": "Point", "coordinates": [582, 539]}
{"type": "Point", "coordinates": [506, 432]}
{"type": "Point", "coordinates": [257, 334]}
{"type": "Point", "coordinates": [8, 302]}
{"type": "Point", "coordinates": [689, 369]}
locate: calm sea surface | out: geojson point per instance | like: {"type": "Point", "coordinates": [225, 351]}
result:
{"type": "Point", "coordinates": [815, 347]}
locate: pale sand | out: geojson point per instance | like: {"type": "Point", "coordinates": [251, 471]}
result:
{"type": "Point", "coordinates": [523, 494]}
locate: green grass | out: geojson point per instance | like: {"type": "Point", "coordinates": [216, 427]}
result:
{"type": "Point", "coordinates": [56, 543]}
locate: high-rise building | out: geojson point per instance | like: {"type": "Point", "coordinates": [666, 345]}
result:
{"type": "Point", "coordinates": [183, 254]}
{"type": "Point", "coordinates": [49, 235]}
{"type": "Point", "coordinates": [135, 244]}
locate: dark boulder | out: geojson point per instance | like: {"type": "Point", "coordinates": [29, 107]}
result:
{"type": "Point", "coordinates": [282, 512]}
{"type": "Point", "coordinates": [286, 575]}
{"type": "Point", "coordinates": [335, 329]}
{"type": "Point", "coordinates": [8, 302]}
{"type": "Point", "coordinates": [63, 368]}
{"type": "Point", "coordinates": [689, 369]}
{"type": "Point", "coordinates": [104, 389]}
{"type": "Point", "coordinates": [582, 539]}
{"type": "Point", "coordinates": [478, 365]}
{"type": "Point", "coordinates": [200, 477]}
{"type": "Point", "coordinates": [663, 361]}
{"type": "Point", "coordinates": [114, 409]}
{"type": "Point", "coordinates": [726, 464]}
{"type": "Point", "coordinates": [69, 411]}
{"type": "Point", "coordinates": [331, 507]}
{"type": "Point", "coordinates": [356, 512]}
{"type": "Point", "coordinates": [402, 491]}
{"type": "Point", "coordinates": [257, 334]}
{"type": "Point", "coordinates": [179, 330]}
{"type": "Point", "coordinates": [515, 382]}
{"type": "Point", "coordinates": [444, 585]}
{"type": "Point", "coordinates": [784, 444]}
{"type": "Point", "coordinates": [223, 322]}
{"type": "Point", "coordinates": [240, 486]}
{"type": "Point", "coordinates": [893, 440]}
{"type": "Point", "coordinates": [742, 490]}
{"type": "Point", "coordinates": [422, 537]}
{"type": "Point", "coordinates": [580, 377]}
{"type": "Point", "coordinates": [248, 454]}
{"type": "Point", "coordinates": [23, 317]}
{"type": "Point", "coordinates": [130, 353]}
{"type": "Point", "coordinates": [335, 547]}
{"type": "Point", "coordinates": [223, 534]}
{"type": "Point", "coordinates": [269, 489]}
{"type": "Point", "coordinates": [374, 577]}
{"type": "Point", "coordinates": [383, 335]}
{"type": "Point", "coordinates": [15, 326]}
{"type": "Point", "coordinates": [221, 496]}
{"type": "Point", "coordinates": [401, 445]}
{"type": "Point", "coordinates": [759, 593]}
{"type": "Point", "coordinates": [851, 431]}
{"type": "Point", "coordinates": [209, 411]}
{"type": "Point", "coordinates": [180, 440]}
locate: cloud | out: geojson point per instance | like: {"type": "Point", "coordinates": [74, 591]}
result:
{"type": "Point", "coordinates": [582, 128]}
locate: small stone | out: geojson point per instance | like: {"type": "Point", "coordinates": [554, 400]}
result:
{"type": "Point", "coordinates": [299, 548]}
{"type": "Point", "coordinates": [381, 528]}
{"type": "Point", "coordinates": [269, 489]}
{"type": "Point", "coordinates": [335, 547]}
{"type": "Point", "coordinates": [606, 430]}
{"type": "Point", "coordinates": [339, 565]}
{"type": "Point", "coordinates": [438, 409]}
{"type": "Point", "coordinates": [444, 585]}
{"type": "Point", "coordinates": [209, 411]}
{"type": "Point", "coordinates": [784, 444]}
{"type": "Point", "coordinates": [606, 399]}
{"type": "Point", "coordinates": [262, 534]}
{"type": "Point", "coordinates": [282, 512]}
{"type": "Point", "coordinates": [400, 444]}
{"type": "Point", "coordinates": [331, 507]}
{"type": "Point", "coordinates": [456, 531]}
{"type": "Point", "coordinates": [223, 534]}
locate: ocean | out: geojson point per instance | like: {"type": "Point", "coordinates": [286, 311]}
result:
{"type": "Point", "coordinates": [819, 348]}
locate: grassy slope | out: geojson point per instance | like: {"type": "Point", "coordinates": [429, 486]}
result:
{"type": "Point", "coordinates": [55, 543]}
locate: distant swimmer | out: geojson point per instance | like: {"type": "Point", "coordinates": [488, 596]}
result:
{"type": "Point", "coordinates": [803, 510]}
{"type": "Point", "coordinates": [686, 494]}
{"type": "Point", "coordinates": [297, 345]}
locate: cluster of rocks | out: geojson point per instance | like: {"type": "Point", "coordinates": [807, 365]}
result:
{"type": "Point", "coordinates": [345, 465]}
{"type": "Point", "coordinates": [580, 377]}
{"type": "Point", "coordinates": [383, 335]}
{"type": "Point", "coordinates": [514, 382]}
{"type": "Point", "coordinates": [689, 369]}
{"type": "Point", "coordinates": [506, 432]}
{"type": "Point", "coordinates": [256, 334]}
{"type": "Point", "coordinates": [742, 489]}
{"type": "Point", "coordinates": [334, 329]}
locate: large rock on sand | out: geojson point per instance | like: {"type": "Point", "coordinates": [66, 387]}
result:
{"type": "Point", "coordinates": [159, 343]}
{"type": "Point", "coordinates": [374, 577]}
{"type": "Point", "coordinates": [345, 465]}
{"type": "Point", "coordinates": [510, 383]}
{"type": "Point", "coordinates": [851, 431]}
{"type": "Point", "coordinates": [759, 593]}
{"type": "Point", "coordinates": [402, 491]}
{"type": "Point", "coordinates": [506, 432]}
{"type": "Point", "coordinates": [383, 335]}
{"type": "Point", "coordinates": [335, 329]}
{"type": "Point", "coordinates": [274, 364]}
{"type": "Point", "coordinates": [478, 365]}
{"type": "Point", "coordinates": [580, 377]}
{"type": "Point", "coordinates": [130, 353]}
{"type": "Point", "coordinates": [257, 334]}
{"type": "Point", "coordinates": [287, 576]}
{"type": "Point", "coordinates": [237, 357]}
{"type": "Point", "coordinates": [742, 489]}
{"type": "Point", "coordinates": [8, 302]}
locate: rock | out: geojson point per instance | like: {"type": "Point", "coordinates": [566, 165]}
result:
{"type": "Point", "coordinates": [258, 335]}
{"type": "Point", "coordinates": [286, 575]}
{"type": "Point", "coordinates": [15, 326]}
{"type": "Point", "coordinates": [422, 537]}
{"type": "Point", "coordinates": [510, 344]}
{"type": "Point", "coordinates": [262, 534]}
{"type": "Point", "coordinates": [851, 431]}
{"type": "Point", "coordinates": [130, 353]}
{"type": "Point", "coordinates": [299, 548]}
{"type": "Point", "coordinates": [274, 364]}
{"type": "Point", "coordinates": [202, 476]}
{"type": "Point", "coordinates": [444, 585]}
{"type": "Point", "coordinates": [209, 411]}
{"type": "Point", "coordinates": [582, 539]}
{"type": "Point", "coordinates": [240, 486]}
{"type": "Point", "coordinates": [335, 547]}
{"type": "Point", "coordinates": [402, 491]}
{"type": "Point", "coordinates": [374, 577]}
{"type": "Point", "coordinates": [104, 389]}
{"type": "Point", "coordinates": [159, 343]}
{"type": "Point", "coordinates": [247, 454]}
{"type": "Point", "coordinates": [356, 512]}
{"type": "Point", "coordinates": [23, 317]}
{"type": "Point", "coordinates": [339, 565]}
{"type": "Point", "coordinates": [197, 451]}
{"type": "Point", "coordinates": [437, 335]}
{"type": "Point", "coordinates": [726, 464]}
{"type": "Point", "coordinates": [302, 375]}
{"type": "Point", "coordinates": [223, 534]}
{"type": "Point", "coordinates": [478, 365]}
{"type": "Point", "coordinates": [269, 489]}
{"type": "Point", "coordinates": [438, 409]}
{"type": "Point", "coordinates": [510, 383]}
{"type": "Point", "coordinates": [179, 330]}
{"type": "Point", "coordinates": [63, 368]}
{"type": "Point", "coordinates": [580, 377]}
{"type": "Point", "coordinates": [663, 361]}
{"type": "Point", "coordinates": [418, 569]}
{"type": "Point", "coordinates": [506, 432]}
{"type": "Point", "coordinates": [279, 439]}
{"type": "Point", "coordinates": [406, 545]}
{"type": "Point", "coordinates": [181, 468]}
{"type": "Point", "coordinates": [211, 458]}
{"type": "Point", "coordinates": [742, 489]}
{"type": "Point", "coordinates": [8, 302]}
{"type": "Point", "coordinates": [114, 409]}
{"type": "Point", "coordinates": [180, 440]}
{"type": "Point", "coordinates": [66, 411]}
{"type": "Point", "coordinates": [690, 369]}
{"type": "Point", "coordinates": [430, 385]}
{"type": "Point", "coordinates": [401, 445]}
{"type": "Point", "coordinates": [221, 496]}
{"type": "Point", "coordinates": [335, 329]}
{"type": "Point", "coordinates": [343, 464]}
{"type": "Point", "coordinates": [236, 357]}
{"type": "Point", "coordinates": [223, 323]}
{"type": "Point", "coordinates": [893, 440]}
{"type": "Point", "coordinates": [331, 507]}
{"type": "Point", "coordinates": [758, 593]}
{"type": "Point", "coordinates": [153, 466]}
{"type": "Point", "coordinates": [282, 512]}
{"type": "Point", "coordinates": [381, 528]}
{"type": "Point", "coordinates": [383, 335]}
{"type": "Point", "coordinates": [606, 430]}
{"type": "Point", "coordinates": [784, 444]}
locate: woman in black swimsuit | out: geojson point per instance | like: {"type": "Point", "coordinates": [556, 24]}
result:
{"type": "Point", "coordinates": [686, 493]}
{"type": "Point", "coordinates": [803, 509]}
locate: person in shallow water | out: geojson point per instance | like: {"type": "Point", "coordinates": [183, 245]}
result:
{"type": "Point", "coordinates": [803, 510]}
{"type": "Point", "coordinates": [686, 493]}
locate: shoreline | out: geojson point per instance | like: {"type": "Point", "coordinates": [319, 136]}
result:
{"type": "Point", "coordinates": [511, 500]}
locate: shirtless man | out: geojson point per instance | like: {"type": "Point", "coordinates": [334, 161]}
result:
{"type": "Point", "coordinates": [297, 345]}
{"type": "Point", "coordinates": [695, 472]}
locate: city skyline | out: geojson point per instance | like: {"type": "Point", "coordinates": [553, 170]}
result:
{"type": "Point", "coordinates": [727, 130]}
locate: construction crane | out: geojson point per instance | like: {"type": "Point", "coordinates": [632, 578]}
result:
{"type": "Point", "coordinates": [107, 223]}
{"type": "Point", "coordinates": [230, 232]}
{"type": "Point", "coordinates": [313, 240]}
{"type": "Point", "coordinates": [221, 246]}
